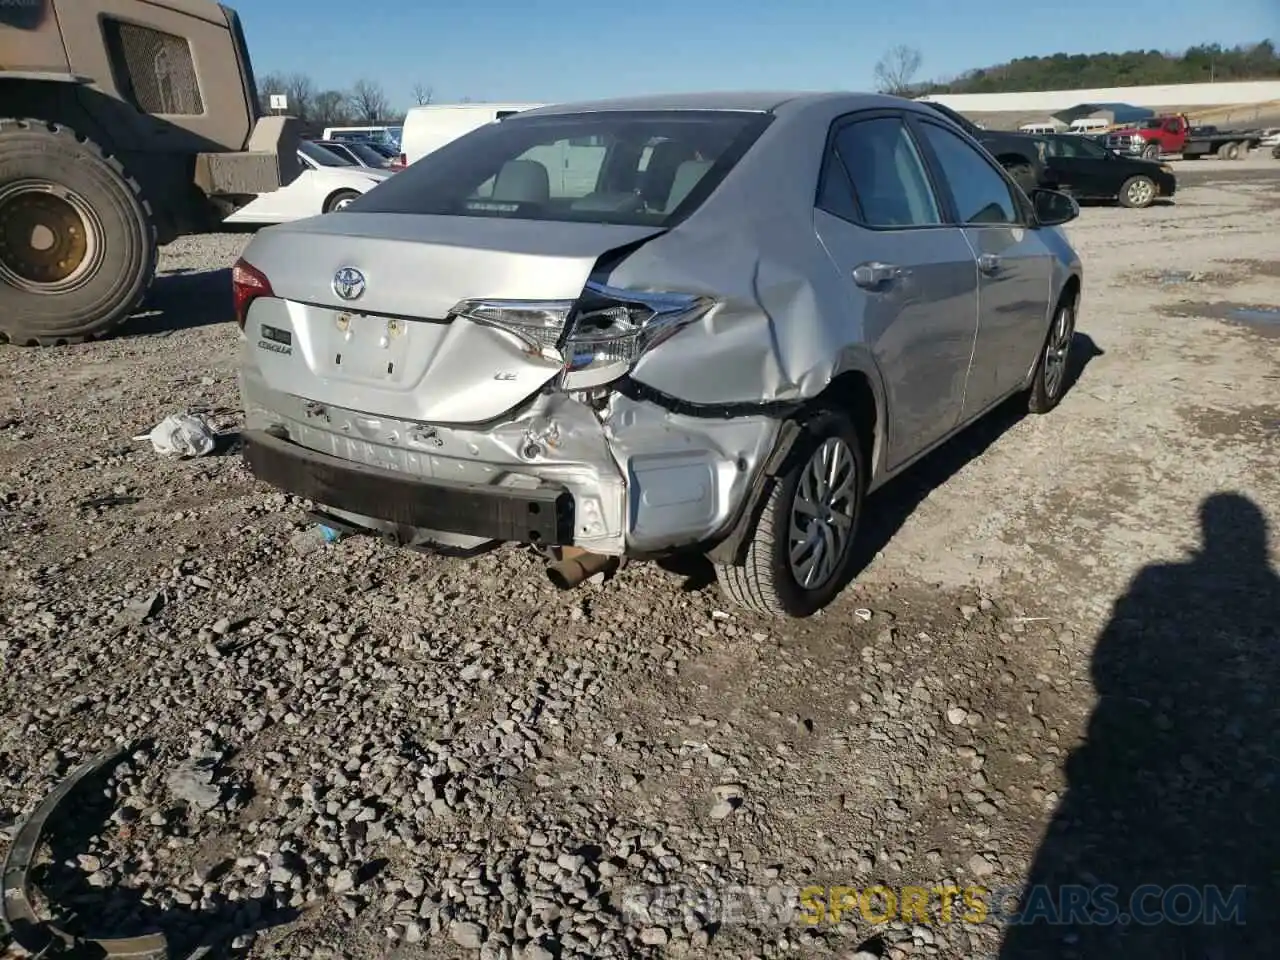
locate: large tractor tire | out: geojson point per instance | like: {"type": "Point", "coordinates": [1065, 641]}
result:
{"type": "Point", "coordinates": [77, 241]}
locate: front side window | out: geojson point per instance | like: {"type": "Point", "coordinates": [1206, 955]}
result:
{"type": "Point", "coordinates": [1088, 149]}
{"type": "Point", "coordinates": [886, 175]}
{"type": "Point", "coordinates": [621, 167]}
{"type": "Point", "coordinates": [981, 195]}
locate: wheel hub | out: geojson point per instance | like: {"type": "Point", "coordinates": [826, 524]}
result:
{"type": "Point", "coordinates": [48, 237]}
{"type": "Point", "coordinates": [822, 514]}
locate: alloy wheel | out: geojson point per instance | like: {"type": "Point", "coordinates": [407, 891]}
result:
{"type": "Point", "coordinates": [1141, 192]}
{"type": "Point", "coordinates": [1057, 350]}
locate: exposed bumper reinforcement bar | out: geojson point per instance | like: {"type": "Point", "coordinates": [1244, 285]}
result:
{"type": "Point", "coordinates": [544, 516]}
{"type": "Point", "coordinates": [17, 912]}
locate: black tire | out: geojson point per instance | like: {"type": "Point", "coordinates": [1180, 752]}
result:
{"type": "Point", "coordinates": [766, 583]}
{"type": "Point", "coordinates": [1228, 151]}
{"type": "Point", "coordinates": [1049, 383]}
{"type": "Point", "coordinates": [1023, 175]}
{"type": "Point", "coordinates": [1138, 192]}
{"type": "Point", "coordinates": [340, 199]}
{"type": "Point", "coordinates": [1151, 152]}
{"type": "Point", "coordinates": [62, 179]}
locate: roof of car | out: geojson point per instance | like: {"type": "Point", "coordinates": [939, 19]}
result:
{"type": "Point", "coordinates": [759, 101]}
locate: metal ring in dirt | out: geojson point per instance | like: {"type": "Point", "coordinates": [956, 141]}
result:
{"type": "Point", "coordinates": [50, 238]}
{"type": "Point", "coordinates": [1057, 351]}
{"type": "Point", "coordinates": [1141, 192]}
{"type": "Point", "coordinates": [822, 514]}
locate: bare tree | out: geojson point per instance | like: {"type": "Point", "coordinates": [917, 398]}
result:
{"type": "Point", "coordinates": [895, 72]}
{"type": "Point", "coordinates": [331, 107]}
{"type": "Point", "coordinates": [422, 93]}
{"type": "Point", "coordinates": [301, 91]}
{"type": "Point", "coordinates": [267, 85]}
{"type": "Point", "coordinates": [369, 101]}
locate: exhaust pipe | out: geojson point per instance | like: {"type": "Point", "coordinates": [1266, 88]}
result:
{"type": "Point", "coordinates": [576, 566]}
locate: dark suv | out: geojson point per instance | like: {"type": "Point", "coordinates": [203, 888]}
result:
{"type": "Point", "coordinates": [1017, 152]}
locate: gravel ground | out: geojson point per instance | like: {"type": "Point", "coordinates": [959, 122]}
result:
{"type": "Point", "coordinates": [1055, 666]}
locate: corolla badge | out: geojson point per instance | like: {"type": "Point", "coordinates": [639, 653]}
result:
{"type": "Point", "coordinates": [348, 283]}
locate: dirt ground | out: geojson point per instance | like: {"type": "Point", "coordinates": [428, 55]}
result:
{"type": "Point", "coordinates": [1059, 665]}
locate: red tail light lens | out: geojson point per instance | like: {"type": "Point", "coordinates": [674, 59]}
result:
{"type": "Point", "coordinates": [247, 284]}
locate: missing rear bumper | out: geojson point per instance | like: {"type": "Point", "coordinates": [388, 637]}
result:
{"type": "Point", "coordinates": [543, 516]}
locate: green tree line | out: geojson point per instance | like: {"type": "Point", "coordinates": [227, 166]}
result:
{"type": "Point", "coordinates": [1207, 63]}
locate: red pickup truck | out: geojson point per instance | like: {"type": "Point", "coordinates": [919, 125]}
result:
{"type": "Point", "coordinates": [1158, 136]}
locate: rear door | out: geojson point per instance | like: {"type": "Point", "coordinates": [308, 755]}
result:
{"type": "Point", "coordinates": [1014, 265]}
{"type": "Point", "coordinates": [911, 274]}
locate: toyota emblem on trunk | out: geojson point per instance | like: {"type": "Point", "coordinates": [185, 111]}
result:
{"type": "Point", "coordinates": [348, 283]}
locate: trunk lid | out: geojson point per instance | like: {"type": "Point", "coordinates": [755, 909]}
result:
{"type": "Point", "coordinates": [391, 350]}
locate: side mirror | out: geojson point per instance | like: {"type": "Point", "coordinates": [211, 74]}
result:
{"type": "Point", "coordinates": [1053, 208]}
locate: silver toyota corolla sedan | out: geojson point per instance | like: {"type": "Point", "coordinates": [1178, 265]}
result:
{"type": "Point", "coordinates": [634, 328]}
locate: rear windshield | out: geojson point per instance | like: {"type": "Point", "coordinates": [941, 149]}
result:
{"type": "Point", "coordinates": [619, 167]}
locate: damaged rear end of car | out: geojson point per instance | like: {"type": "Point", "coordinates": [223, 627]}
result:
{"type": "Point", "coordinates": [458, 366]}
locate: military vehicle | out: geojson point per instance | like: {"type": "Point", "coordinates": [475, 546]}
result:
{"type": "Point", "coordinates": [124, 124]}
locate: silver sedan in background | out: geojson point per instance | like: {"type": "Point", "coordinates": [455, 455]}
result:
{"type": "Point", "coordinates": [634, 328]}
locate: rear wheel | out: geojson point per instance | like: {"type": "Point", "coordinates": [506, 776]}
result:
{"type": "Point", "coordinates": [77, 244]}
{"type": "Point", "coordinates": [801, 550]}
{"type": "Point", "coordinates": [1228, 151]}
{"type": "Point", "coordinates": [1139, 191]}
{"type": "Point", "coordinates": [1050, 381]}
{"type": "Point", "coordinates": [340, 199]}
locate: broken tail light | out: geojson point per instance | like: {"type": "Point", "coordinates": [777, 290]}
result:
{"type": "Point", "coordinates": [247, 284]}
{"type": "Point", "coordinates": [598, 337]}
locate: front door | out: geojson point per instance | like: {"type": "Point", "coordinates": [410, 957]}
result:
{"type": "Point", "coordinates": [1015, 267]}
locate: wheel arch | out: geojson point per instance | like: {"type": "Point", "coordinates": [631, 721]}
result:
{"type": "Point", "coordinates": [334, 194]}
{"type": "Point", "coordinates": [855, 388]}
{"type": "Point", "coordinates": [858, 389]}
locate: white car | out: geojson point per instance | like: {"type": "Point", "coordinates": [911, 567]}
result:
{"type": "Point", "coordinates": [327, 183]}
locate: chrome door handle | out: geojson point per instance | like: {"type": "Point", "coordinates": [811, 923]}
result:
{"type": "Point", "coordinates": [988, 263]}
{"type": "Point", "coordinates": [875, 274]}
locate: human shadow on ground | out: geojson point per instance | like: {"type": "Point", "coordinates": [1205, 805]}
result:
{"type": "Point", "coordinates": [1166, 845]}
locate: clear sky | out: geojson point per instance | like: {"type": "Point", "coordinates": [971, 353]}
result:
{"type": "Point", "coordinates": [555, 50]}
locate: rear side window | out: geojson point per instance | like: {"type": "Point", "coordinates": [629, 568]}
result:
{"type": "Point", "coordinates": [623, 167]}
{"type": "Point", "coordinates": [981, 195]}
{"type": "Point", "coordinates": [885, 173]}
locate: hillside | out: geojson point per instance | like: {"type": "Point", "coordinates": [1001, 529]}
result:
{"type": "Point", "coordinates": [1062, 71]}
